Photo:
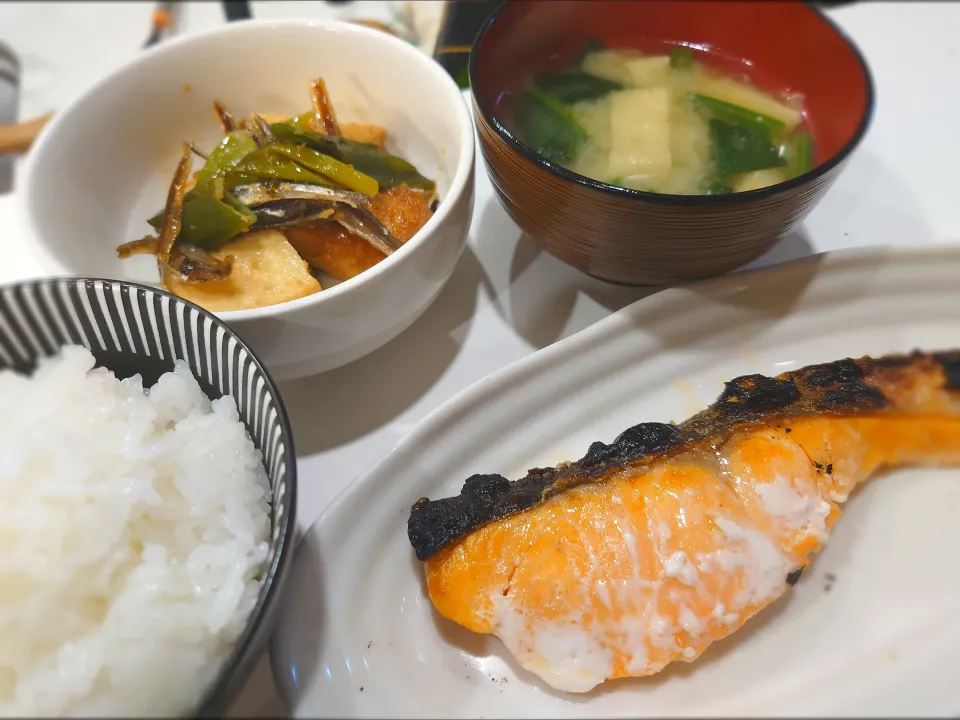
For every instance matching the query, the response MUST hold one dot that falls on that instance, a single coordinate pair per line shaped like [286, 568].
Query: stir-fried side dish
[662, 123]
[279, 202]
[649, 549]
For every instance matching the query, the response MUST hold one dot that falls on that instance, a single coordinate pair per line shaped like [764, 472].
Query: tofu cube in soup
[640, 133]
[610, 65]
[759, 179]
[648, 71]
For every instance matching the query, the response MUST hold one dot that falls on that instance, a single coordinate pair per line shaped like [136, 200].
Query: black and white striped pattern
[131, 329]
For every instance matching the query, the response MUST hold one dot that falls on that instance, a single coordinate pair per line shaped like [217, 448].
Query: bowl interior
[103, 167]
[781, 46]
[133, 329]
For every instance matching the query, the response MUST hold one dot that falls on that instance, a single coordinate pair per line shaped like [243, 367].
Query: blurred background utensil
[9, 99]
[17, 137]
[160, 23]
[237, 10]
[459, 25]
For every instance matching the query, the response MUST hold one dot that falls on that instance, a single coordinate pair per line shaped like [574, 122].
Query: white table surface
[506, 299]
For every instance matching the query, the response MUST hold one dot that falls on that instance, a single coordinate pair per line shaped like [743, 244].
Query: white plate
[359, 636]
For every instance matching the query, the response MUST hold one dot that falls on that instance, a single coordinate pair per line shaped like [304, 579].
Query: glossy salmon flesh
[647, 550]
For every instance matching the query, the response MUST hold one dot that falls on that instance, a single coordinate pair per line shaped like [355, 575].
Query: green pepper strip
[303, 121]
[208, 223]
[317, 162]
[233, 148]
[233, 202]
[264, 164]
[388, 170]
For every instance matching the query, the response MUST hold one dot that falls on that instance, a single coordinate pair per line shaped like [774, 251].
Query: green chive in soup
[662, 123]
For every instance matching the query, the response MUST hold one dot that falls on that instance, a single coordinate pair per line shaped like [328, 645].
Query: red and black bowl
[642, 238]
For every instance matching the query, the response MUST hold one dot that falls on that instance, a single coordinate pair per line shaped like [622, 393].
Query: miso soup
[662, 123]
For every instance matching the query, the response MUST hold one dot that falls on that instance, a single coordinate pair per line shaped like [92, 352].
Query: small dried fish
[198, 266]
[260, 129]
[257, 193]
[144, 246]
[226, 119]
[173, 210]
[278, 214]
[363, 224]
[323, 107]
[197, 151]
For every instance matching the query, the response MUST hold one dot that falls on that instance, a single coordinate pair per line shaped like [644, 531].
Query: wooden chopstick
[19, 137]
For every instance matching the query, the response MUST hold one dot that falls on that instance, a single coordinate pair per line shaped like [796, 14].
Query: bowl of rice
[149, 507]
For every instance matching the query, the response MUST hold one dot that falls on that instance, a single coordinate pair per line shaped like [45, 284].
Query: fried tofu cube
[330, 247]
[266, 270]
[402, 210]
[358, 132]
[274, 117]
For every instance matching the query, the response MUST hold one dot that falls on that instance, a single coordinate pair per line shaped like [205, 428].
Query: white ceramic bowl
[102, 166]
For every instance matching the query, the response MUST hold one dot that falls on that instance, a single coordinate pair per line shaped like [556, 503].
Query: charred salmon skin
[647, 550]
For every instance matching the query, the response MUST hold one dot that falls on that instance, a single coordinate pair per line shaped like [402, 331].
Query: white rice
[133, 531]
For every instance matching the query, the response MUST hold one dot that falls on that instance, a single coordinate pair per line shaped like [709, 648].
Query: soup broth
[662, 123]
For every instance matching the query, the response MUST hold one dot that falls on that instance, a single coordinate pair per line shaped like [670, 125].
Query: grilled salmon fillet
[649, 549]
